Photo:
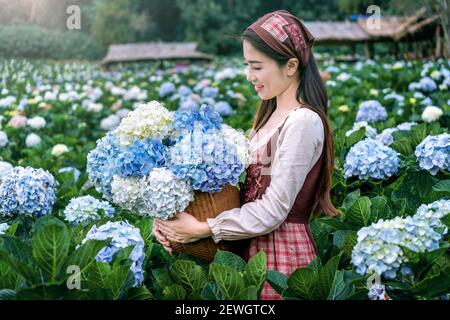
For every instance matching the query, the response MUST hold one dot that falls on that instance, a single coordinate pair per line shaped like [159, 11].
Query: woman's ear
[292, 66]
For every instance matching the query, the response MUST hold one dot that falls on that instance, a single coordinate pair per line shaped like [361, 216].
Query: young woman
[292, 147]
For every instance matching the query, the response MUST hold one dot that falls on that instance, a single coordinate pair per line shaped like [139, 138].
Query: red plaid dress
[291, 246]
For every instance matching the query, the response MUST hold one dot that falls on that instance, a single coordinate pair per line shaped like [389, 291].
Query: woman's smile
[259, 87]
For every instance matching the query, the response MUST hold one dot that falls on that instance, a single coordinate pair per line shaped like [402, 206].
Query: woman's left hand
[183, 228]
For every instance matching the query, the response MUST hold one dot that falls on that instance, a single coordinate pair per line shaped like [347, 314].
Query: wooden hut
[134, 52]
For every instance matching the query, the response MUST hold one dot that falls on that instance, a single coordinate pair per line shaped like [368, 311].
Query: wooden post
[438, 52]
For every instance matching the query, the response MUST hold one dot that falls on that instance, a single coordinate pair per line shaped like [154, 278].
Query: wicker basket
[209, 205]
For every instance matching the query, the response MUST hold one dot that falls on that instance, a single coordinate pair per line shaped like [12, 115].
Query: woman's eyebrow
[253, 61]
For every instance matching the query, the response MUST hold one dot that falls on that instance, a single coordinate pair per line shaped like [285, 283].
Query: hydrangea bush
[122, 235]
[86, 209]
[27, 191]
[369, 158]
[433, 153]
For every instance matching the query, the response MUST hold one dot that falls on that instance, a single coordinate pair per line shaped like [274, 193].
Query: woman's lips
[259, 88]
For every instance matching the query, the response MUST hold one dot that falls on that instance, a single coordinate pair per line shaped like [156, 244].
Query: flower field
[83, 162]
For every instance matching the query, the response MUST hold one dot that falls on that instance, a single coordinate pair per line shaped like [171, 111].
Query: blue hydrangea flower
[371, 111]
[166, 89]
[100, 164]
[206, 118]
[427, 84]
[86, 209]
[140, 158]
[379, 246]
[210, 92]
[188, 104]
[434, 212]
[123, 235]
[223, 108]
[207, 159]
[27, 191]
[184, 91]
[371, 159]
[433, 153]
[386, 137]
[377, 292]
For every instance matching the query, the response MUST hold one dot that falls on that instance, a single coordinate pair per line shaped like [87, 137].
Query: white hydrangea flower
[36, 122]
[431, 113]
[32, 140]
[151, 120]
[59, 149]
[110, 122]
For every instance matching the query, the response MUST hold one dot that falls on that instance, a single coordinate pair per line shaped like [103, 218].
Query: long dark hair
[312, 92]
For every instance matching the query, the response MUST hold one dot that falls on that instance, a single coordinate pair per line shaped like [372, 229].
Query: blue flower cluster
[27, 191]
[223, 108]
[206, 118]
[210, 92]
[166, 89]
[379, 247]
[86, 209]
[371, 111]
[369, 158]
[138, 159]
[184, 91]
[188, 104]
[100, 164]
[427, 85]
[207, 159]
[123, 235]
[434, 212]
[433, 153]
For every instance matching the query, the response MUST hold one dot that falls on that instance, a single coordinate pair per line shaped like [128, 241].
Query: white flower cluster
[371, 132]
[149, 120]
[86, 209]
[241, 142]
[160, 194]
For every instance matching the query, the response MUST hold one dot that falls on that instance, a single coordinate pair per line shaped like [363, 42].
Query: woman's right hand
[160, 237]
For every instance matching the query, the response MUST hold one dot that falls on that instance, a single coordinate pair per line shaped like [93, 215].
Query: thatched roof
[154, 51]
[333, 31]
[396, 28]
[391, 28]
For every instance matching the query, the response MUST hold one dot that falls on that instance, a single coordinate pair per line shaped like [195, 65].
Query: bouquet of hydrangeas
[155, 159]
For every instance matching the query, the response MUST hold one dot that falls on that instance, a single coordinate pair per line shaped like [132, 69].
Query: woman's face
[268, 78]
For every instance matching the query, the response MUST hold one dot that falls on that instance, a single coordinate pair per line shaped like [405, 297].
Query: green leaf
[212, 292]
[340, 236]
[350, 199]
[162, 277]
[145, 225]
[85, 255]
[379, 208]
[42, 292]
[174, 292]
[350, 242]
[418, 133]
[139, 294]
[278, 280]
[442, 186]
[7, 294]
[18, 256]
[446, 220]
[402, 146]
[250, 293]
[188, 274]
[50, 246]
[230, 259]
[436, 282]
[340, 290]
[229, 281]
[334, 222]
[355, 137]
[326, 277]
[256, 271]
[359, 213]
[302, 283]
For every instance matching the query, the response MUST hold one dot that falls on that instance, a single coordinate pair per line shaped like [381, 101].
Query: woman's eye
[256, 68]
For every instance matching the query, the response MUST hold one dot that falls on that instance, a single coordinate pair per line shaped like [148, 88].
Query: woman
[292, 147]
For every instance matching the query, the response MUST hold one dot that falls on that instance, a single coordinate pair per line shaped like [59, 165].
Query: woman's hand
[161, 238]
[183, 228]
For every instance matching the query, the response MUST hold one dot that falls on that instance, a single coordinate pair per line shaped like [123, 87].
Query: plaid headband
[286, 34]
